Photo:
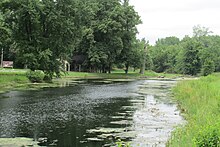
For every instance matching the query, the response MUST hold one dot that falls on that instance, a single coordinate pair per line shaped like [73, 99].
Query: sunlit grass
[12, 71]
[200, 102]
[9, 81]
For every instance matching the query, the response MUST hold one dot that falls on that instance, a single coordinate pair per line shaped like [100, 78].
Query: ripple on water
[92, 113]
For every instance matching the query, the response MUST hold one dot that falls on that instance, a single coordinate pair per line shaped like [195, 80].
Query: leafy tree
[189, 61]
[101, 41]
[164, 54]
[139, 54]
[130, 19]
[208, 67]
[199, 31]
[160, 59]
[210, 50]
[168, 41]
[108, 35]
[43, 30]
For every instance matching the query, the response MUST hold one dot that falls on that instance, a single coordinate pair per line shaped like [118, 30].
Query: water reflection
[88, 113]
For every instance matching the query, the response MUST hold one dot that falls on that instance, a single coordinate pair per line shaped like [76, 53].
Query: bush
[208, 67]
[48, 78]
[208, 137]
[35, 76]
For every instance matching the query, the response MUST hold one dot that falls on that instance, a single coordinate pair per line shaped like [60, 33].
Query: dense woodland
[42, 34]
[197, 55]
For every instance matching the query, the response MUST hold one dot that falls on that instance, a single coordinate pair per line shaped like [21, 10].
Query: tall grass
[199, 101]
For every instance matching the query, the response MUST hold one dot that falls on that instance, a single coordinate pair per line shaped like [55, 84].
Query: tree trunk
[79, 68]
[144, 61]
[2, 58]
[109, 68]
[103, 69]
[126, 68]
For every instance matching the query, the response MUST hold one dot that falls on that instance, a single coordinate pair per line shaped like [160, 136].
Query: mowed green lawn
[10, 78]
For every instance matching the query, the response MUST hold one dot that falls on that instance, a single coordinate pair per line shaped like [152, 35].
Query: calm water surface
[91, 113]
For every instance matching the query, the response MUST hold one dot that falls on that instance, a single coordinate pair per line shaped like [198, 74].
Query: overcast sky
[164, 18]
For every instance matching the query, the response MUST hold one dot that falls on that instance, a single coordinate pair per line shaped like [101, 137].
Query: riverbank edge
[199, 103]
[18, 80]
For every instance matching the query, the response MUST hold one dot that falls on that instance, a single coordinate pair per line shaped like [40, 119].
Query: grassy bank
[119, 74]
[199, 101]
[10, 78]
[16, 78]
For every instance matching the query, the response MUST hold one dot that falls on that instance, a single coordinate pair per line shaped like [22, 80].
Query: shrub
[208, 67]
[35, 76]
[48, 78]
[208, 137]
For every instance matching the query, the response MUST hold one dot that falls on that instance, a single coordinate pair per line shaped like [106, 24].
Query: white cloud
[163, 18]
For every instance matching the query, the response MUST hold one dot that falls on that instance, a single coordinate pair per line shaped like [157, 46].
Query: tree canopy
[192, 55]
[44, 34]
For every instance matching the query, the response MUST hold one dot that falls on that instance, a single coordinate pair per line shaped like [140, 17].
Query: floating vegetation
[93, 113]
[126, 122]
[18, 142]
[106, 130]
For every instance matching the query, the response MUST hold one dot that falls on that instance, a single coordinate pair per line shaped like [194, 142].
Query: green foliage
[190, 61]
[199, 101]
[210, 50]
[187, 56]
[35, 76]
[208, 67]
[164, 54]
[122, 144]
[208, 137]
[160, 59]
[42, 34]
[199, 31]
[168, 41]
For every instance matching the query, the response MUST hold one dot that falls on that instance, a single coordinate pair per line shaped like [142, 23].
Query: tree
[130, 20]
[199, 31]
[208, 67]
[168, 41]
[143, 56]
[44, 32]
[5, 40]
[189, 61]
[164, 54]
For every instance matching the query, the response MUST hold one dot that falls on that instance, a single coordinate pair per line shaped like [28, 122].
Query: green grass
[199, 101]
[119, 74]
[11, 81]
[13, 78]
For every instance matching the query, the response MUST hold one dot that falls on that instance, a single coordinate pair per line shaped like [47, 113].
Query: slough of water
[91, 113]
